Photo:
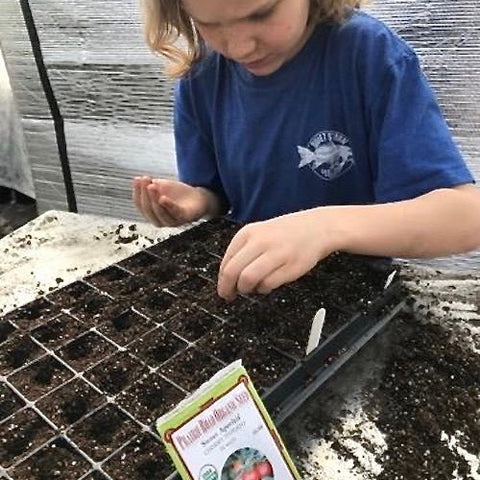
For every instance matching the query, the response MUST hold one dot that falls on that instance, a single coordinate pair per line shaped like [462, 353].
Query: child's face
[259, 34]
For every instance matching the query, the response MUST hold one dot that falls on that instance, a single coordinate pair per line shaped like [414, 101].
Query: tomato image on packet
[247, 464]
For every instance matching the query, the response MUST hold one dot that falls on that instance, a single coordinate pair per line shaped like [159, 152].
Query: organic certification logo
[208, 472]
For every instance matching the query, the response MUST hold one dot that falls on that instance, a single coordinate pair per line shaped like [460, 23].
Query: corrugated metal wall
[117, 105]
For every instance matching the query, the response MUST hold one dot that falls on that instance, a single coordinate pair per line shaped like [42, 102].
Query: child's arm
[172, 203]
[265, 255]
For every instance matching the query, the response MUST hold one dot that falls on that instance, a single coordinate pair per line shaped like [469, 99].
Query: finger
[236, 244]
[164, 186]
[254, 277]
[139, 184]
[146, 205]
[136, 193]
[162, 216]
[230, 272]
[275, 279]
[173, 209]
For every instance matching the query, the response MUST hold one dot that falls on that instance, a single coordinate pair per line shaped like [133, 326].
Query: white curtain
[15, 171]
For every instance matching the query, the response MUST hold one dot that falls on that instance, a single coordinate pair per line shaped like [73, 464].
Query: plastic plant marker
[316, 331]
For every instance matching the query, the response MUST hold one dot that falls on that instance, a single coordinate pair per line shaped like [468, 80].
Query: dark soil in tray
[17, 352]
[127, 286]
[107, 279]
[58, 331]
[40, 377]
[159, 305]
[197, 259]
[264, 363]
[192, 287]
[115, 373]
[9, 402]
[219, 307]
[142, 334]
[149, 398]
[96, 475]
[85, 351]
[104, 432]
[32, 314]
[125, 327]
[258, 319]
[155, 271]
[157, 347]
[71, 295]
[139, 262]
[7, 330]
[335, 276]
[192, 325]
[21, 434]
[94, 307]
[174, 247]
[59, 459]
[180, 368]
[70, 403]
[291, 333]
[142, 459]
[213, 237]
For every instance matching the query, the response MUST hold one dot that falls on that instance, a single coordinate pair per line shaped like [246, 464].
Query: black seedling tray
[86, 370]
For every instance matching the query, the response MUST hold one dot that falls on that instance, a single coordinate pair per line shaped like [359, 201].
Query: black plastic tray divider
[297, 398]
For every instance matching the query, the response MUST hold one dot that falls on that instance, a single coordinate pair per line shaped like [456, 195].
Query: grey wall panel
[111, 94]
[43, 154]
[114, 93]
[113, 149]
[105, 157]
[86, 31]
[446, 36]
[27, 89]
[50, 196]
[98, 63]
[25, 81]
[38, 131]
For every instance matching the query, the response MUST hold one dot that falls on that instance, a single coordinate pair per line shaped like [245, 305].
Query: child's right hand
[169, 203]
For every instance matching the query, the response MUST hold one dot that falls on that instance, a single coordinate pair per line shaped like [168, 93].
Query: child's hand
[169, 203]
[263, 256]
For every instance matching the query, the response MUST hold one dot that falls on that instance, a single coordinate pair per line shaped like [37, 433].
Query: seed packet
[224, 432]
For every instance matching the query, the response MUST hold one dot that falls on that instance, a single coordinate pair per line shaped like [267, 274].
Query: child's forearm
[442, 222]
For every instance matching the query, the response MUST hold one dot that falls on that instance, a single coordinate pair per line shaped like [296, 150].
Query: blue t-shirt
[349, 120]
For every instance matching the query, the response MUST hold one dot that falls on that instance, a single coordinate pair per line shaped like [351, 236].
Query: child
[312, 122]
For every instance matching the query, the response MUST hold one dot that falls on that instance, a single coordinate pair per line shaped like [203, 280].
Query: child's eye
[204, 24]
[258, 17]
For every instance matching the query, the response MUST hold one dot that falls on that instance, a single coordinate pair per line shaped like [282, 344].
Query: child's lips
[257, 63]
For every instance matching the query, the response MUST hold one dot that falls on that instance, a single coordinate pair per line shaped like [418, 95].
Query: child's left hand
[264, 255]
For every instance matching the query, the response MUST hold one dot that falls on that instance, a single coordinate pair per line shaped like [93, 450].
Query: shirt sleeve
[411, 144]
[195, 154]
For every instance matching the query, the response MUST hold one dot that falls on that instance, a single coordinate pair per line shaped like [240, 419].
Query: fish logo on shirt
[328, 154]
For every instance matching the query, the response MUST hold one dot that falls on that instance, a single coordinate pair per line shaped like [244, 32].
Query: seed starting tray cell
[86, 370]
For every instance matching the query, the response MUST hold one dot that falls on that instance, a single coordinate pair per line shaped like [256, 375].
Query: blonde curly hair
[165, 22]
